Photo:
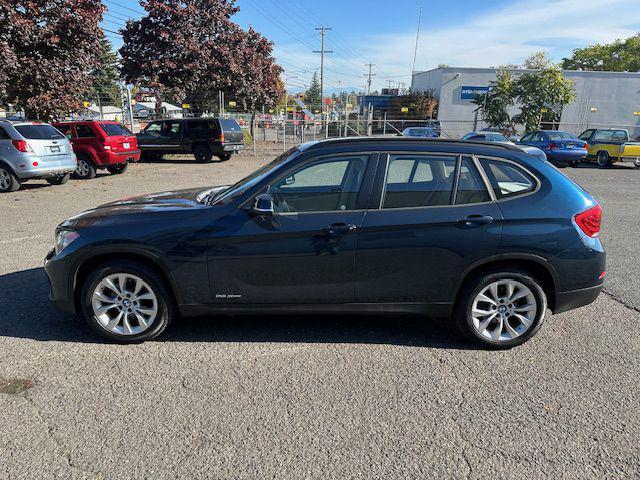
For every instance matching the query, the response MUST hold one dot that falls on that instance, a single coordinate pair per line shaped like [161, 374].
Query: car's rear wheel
[224, 156]
[126, 302]
[59, 180]
[501, 309]
[85, 169]
[575, 163]
[118, 169]
[637, 163]
[8, 181]
[603, 159]
[150, 157]
[202, 153]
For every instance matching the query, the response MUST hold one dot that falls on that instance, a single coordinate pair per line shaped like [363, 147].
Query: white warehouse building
[603, 99]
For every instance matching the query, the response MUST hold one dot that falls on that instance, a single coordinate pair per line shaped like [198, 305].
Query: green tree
[313, 94]
[105, 77]
[538, 61]
[494, 106]
[619, 56]
[541, 96]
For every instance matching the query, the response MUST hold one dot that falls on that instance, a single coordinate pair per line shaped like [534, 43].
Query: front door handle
[470, 220]
[339, 228]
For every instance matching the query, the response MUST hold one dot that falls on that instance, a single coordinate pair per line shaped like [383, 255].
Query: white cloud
[500, 36]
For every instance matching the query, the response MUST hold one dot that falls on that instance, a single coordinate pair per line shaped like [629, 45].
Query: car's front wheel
[126, 302]
[501, 309]
[603, 159]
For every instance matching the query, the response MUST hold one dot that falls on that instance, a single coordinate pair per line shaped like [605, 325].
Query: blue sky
[454, 32]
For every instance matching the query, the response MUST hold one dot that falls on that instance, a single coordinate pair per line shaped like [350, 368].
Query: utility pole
[322, 51]
[369, 75]
[389, 82]
[415, 50]
[130, 104]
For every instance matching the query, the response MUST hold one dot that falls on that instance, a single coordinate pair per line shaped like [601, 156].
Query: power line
[139, 12]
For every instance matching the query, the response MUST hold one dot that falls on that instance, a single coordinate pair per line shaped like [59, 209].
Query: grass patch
[15, 386]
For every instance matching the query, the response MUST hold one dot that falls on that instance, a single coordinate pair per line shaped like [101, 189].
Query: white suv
[33, 150]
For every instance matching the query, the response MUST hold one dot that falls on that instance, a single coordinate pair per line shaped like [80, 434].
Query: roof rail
[435, 141]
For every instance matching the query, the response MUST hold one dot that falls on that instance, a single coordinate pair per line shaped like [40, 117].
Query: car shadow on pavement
[26, 312]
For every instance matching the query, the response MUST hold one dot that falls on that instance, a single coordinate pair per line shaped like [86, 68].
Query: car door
[171, 136]
[435, 218]
[85, 140]
[305, 252]
[149, 138]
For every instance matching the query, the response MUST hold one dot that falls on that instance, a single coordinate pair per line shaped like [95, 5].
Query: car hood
[173, 201]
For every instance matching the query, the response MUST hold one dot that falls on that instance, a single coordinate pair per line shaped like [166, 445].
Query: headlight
[64, 238]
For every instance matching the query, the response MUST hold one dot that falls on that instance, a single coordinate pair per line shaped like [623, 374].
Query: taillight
[585, 146]
[553, 146]
[22, 146]
[222, 138]
[589, 221]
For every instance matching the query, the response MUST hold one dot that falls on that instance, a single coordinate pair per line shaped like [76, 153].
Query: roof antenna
[415, 50]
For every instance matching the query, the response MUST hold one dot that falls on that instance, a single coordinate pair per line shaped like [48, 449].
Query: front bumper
[60, 283]
[566, 301]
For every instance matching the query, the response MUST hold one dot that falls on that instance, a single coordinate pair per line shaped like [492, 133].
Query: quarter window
[507, 180]
[418, 181]
[330, 184]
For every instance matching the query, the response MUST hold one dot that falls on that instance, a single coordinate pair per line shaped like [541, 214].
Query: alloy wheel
[5, 179]
[603, 159]
[82, 168]
[504, 310]
[124, 304]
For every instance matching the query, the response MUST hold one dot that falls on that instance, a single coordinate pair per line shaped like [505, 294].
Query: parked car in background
[202, 137]
[30, 150]
[560, 147]
[422, 132]
[486, 136]
[100, 144]
[610, 145]
[484, 232]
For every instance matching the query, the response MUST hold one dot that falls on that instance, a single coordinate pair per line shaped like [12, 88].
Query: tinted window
[170, 128]
[84, 131]
[471, 188]
[154, 127]
[527, 137]
[507, 179]
[203, 128]
[610, 135]
[3, 134]
[115, 129]
[331, 184]
[560, 136]
[38, 132]
[418, 181]
[229, 125]
[585, 135]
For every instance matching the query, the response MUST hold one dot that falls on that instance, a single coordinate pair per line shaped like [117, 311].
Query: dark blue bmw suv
[484, 233]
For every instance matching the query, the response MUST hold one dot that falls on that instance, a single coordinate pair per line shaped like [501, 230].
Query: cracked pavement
[312, 397]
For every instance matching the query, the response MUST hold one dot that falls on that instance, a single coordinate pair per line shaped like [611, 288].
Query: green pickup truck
[610, 145]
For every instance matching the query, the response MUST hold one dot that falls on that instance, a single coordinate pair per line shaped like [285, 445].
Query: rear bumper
[566, 156]
[113, 158]
[566, 301]
[233, 147]
[627, 159]
[46, 167]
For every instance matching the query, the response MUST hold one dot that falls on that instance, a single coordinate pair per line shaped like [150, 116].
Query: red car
[100, 144]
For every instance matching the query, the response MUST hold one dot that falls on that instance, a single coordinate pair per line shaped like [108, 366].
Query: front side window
[153, 128]
[586, 135]
[329, 184]
[84, 131]
[418, 181]
[507, 179]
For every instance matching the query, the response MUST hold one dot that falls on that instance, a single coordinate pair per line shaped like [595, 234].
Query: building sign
[404, 109]
[186, 106]
[470, 93]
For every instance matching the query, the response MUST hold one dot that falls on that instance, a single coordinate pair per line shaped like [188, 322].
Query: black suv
[204, 137]
[484, 232]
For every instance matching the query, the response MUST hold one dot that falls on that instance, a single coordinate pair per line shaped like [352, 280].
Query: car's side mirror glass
[263, 205]
[290, 180]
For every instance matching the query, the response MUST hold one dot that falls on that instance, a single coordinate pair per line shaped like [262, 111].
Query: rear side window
[418, 181]
[3, 134]
[203, 128]
[229, 125]
[471, 188]
[611, 135]
[115, 129]
[38, 132]
[507, 180]
[84, 131]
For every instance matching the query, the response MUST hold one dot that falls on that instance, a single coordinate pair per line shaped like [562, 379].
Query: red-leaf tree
[170, 47]
[47, 50]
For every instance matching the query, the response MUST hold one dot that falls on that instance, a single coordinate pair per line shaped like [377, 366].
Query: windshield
[234, 191]
[560, 136]
[38, 132]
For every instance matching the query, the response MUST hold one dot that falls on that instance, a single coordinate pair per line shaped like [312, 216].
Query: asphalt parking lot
[312, 397]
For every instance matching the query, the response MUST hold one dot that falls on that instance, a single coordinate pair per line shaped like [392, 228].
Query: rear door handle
[339, 228]
[476, 220]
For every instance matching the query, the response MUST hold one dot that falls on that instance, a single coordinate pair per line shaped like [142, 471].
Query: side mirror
[263, 205]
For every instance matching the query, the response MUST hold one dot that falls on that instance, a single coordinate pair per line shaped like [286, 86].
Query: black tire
[603, 159]
[166, 308]
[59, 180]
[117, 169]
[575, 163]
[86, 169]
[472, 288]
[8, 181]
[202, 153]
[224, 156]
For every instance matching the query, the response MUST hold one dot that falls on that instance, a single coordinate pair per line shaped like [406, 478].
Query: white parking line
[22, 239]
